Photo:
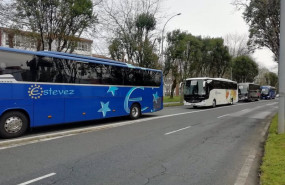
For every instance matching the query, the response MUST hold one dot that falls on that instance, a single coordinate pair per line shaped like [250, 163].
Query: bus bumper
[200, 104]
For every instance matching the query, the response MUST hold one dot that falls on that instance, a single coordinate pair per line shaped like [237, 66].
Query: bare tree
[133, 23]
[263, 18]
[237, 44]
[260, 78]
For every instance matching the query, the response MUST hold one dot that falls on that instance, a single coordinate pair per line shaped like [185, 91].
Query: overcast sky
[214, 18]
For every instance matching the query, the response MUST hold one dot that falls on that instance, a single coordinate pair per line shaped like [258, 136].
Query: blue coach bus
[268, 92]
[49, 88]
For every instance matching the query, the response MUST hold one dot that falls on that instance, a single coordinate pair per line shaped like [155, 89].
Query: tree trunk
[172, 88]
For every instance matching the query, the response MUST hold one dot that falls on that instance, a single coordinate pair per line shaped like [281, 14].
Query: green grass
[167, 99]
[273, 165]
[173, 105]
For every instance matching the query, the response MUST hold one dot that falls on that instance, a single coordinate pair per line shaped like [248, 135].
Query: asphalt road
[176, 146]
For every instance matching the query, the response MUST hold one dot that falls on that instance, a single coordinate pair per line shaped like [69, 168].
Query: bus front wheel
[13, 124]
[135, 111]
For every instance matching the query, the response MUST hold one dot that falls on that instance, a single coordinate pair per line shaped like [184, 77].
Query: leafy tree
[62, 21]
[116, 49]
[244, 69]
[176, 56]
[190, 56]
[136, 42]
[217, 57]
[263, 18]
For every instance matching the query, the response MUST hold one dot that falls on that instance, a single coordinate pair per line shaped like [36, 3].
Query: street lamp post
[162, 37]
[281, 67]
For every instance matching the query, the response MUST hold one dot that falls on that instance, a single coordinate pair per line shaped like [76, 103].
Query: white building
[26, 40]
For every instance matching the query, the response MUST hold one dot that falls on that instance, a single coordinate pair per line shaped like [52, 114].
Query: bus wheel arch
[14, 123]
[135, 110]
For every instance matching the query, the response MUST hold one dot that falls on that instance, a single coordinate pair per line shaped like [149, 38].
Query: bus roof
[75, 57]
[247, 83]
[84, 57]
[208, 78]
[267, 87]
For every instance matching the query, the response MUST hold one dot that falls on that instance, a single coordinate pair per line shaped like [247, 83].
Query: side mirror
[181, 84]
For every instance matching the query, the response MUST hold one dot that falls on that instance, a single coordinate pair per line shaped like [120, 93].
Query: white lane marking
[37, 179]
[223, 116]
[243, 110]
[46, 137]
[243, 174]
[177, 130]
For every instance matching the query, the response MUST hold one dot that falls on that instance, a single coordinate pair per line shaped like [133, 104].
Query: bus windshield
[194, 87]
[264, 91]
[243, 89]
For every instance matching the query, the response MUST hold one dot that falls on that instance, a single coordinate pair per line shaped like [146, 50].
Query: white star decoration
[104, 108]
[112, 89]
[155, 97]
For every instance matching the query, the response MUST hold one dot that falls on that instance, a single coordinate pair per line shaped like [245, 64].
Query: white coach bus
[204, 91]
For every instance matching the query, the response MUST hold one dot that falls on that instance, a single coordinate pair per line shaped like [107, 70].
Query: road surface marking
[223, 116]
[244, 110]
[37, 179]
[177, 130]
[46, 137]
[243, 174]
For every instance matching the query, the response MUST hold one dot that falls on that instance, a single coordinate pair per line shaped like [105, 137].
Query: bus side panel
[48, 104]
[48, 111]
[89, 103]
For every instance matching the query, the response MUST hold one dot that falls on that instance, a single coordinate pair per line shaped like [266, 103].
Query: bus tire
[135, 111]
[13, 124]
[214, 104]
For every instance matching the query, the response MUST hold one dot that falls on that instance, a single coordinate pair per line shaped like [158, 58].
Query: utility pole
[281, 72]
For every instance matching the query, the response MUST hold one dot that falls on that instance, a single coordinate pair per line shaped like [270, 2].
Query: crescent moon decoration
[128, 99]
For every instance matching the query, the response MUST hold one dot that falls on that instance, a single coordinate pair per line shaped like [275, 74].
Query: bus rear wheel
[135, 111]
[13, 124]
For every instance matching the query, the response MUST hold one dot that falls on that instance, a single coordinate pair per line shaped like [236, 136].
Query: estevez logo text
[36, 92]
